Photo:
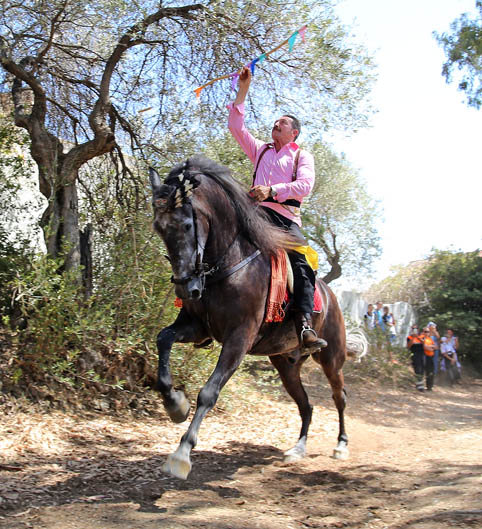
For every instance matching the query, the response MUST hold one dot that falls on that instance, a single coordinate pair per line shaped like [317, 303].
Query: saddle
[282, 288]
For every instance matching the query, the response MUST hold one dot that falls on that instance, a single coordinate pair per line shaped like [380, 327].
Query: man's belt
[289, 202]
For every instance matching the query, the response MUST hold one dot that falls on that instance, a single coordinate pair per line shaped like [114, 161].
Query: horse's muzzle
[193, 289]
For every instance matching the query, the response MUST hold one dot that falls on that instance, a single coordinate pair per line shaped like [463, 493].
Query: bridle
[203, 272]
[200, 269]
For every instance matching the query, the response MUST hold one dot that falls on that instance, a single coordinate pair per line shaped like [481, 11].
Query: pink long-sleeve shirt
[275, 168]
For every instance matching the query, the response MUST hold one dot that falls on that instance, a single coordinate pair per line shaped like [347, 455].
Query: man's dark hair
[296, 124]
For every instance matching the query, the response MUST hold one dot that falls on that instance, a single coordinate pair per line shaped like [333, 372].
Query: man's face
[283, 130]
[379, 306]
[370, 308]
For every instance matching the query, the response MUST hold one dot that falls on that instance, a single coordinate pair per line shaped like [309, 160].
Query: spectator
[433, 333]
[415, 346]
[429, 352]
[449, 360]
[369, 318]
[379, 316]
[389, 323]
[455, 343]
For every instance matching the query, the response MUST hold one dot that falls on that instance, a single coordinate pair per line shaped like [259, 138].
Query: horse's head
[183, 231]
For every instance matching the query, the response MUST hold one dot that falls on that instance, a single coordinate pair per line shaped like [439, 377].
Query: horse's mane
[253, 222]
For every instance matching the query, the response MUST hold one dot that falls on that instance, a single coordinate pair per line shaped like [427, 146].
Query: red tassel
[178, 303]
[277, 289]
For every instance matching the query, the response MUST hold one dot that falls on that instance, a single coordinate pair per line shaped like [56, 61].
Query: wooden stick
[227, 76]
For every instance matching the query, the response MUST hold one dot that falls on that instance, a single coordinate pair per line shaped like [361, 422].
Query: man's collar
[291, 145]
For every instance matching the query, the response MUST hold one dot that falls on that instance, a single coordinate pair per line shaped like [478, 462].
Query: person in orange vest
[415, 346]
[429, 347]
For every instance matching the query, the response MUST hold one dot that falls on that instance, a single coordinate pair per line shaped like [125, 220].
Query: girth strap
[230, 271]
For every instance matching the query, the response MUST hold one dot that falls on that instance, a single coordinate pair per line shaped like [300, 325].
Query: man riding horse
[283, 176]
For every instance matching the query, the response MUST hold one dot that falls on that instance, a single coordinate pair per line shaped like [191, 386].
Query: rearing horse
[220, 246]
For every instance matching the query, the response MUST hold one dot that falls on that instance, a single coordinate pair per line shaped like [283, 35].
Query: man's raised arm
[244, 82]
[247, 142]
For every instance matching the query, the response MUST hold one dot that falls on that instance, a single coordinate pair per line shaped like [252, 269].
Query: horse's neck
[225, 239]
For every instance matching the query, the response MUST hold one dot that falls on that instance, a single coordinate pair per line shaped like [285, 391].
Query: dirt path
[415, 463]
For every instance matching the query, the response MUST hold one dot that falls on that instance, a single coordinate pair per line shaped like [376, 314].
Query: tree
[463, 49]
[81, 71]
[338, 216]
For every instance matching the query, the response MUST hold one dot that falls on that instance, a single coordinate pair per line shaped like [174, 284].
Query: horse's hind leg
[184, 329]
[334, 374]
[290, 376]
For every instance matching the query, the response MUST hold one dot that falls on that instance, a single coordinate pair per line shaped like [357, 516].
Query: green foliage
[463, 49]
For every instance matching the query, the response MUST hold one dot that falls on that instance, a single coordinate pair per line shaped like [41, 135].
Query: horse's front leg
[179, 463]
[184, 329]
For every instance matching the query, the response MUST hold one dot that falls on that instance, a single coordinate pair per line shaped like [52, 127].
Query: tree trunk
[86, 260]
[334, 273]
[60, 224]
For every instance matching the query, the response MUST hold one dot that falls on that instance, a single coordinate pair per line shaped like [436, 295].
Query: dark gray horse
[220, 244]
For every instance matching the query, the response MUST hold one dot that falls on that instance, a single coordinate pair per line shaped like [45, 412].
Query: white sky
[422, 156]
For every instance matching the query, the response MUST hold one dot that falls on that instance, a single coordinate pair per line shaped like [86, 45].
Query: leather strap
[230, 271]
[261, 154]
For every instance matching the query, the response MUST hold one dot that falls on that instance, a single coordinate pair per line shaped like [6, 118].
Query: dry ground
[415, 463]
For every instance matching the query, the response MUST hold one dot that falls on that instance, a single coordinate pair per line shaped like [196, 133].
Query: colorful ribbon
[234, 76]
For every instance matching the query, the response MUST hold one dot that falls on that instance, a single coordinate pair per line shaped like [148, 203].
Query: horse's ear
[154, 178]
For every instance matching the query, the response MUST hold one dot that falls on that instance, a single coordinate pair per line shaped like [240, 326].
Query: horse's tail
[356, 343]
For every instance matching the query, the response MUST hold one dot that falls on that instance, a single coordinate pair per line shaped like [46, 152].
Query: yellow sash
[310, 254]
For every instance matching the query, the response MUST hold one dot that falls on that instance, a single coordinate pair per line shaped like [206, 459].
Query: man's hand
[244, 82]
[260, 193]
[245, 77]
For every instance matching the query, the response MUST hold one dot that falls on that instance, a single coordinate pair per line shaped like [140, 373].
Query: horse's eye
[187, 227]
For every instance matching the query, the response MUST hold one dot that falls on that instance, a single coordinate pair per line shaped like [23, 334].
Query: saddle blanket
[278, 295]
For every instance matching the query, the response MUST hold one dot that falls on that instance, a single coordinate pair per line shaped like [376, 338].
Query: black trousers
[418, 361]
[429, 371]
[304, 277]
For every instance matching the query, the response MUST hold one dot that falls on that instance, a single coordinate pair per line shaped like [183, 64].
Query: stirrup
[320, 342]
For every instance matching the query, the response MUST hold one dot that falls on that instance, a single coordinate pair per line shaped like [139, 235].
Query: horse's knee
[165, 339]
[207, 397]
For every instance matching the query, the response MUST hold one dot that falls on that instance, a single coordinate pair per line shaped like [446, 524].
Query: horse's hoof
[179, 410]
[341, 451]
[177, 467]
[294, 454]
